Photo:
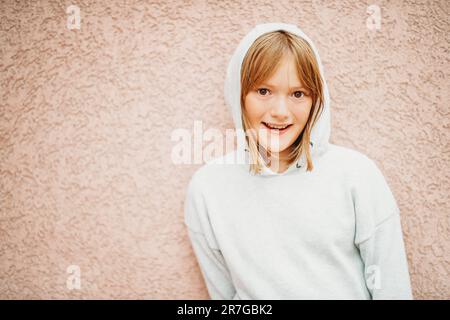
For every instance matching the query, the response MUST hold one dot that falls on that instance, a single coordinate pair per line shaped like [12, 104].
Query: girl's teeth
[278, 128]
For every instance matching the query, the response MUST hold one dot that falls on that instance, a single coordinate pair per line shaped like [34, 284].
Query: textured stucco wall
[86, 118]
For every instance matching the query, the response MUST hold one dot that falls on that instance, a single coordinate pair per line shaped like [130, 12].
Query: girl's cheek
[256, 110]
[304, 109]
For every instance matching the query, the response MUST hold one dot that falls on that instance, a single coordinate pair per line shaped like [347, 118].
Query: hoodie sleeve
[211, 262]
[379, 237]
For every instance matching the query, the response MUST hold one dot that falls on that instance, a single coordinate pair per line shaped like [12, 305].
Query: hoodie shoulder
[353, 165]
[345, 155]
[214, 168]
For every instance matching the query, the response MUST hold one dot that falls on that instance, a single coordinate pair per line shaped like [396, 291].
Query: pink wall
[86, 117]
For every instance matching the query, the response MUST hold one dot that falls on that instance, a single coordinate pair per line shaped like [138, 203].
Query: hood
[232, 90]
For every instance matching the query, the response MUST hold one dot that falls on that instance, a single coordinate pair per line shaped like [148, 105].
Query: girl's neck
[278, 163]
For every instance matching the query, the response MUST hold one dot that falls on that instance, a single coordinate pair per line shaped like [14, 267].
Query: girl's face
[280, 100]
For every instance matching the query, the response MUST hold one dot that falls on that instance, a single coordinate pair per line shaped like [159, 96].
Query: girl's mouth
[279, 129]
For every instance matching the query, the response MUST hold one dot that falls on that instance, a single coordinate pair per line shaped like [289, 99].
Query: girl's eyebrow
[272, 86]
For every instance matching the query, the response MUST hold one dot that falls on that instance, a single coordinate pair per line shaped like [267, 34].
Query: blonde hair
[260, 62]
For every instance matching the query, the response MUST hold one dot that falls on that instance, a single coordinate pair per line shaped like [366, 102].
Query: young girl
[299, 217]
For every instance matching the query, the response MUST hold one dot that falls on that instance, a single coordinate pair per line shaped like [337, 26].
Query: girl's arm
[386, 265]
[213, 268]
[212, 264]
[379, 237]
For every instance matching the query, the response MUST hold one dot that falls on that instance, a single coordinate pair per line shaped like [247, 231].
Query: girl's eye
[297, 96]
[263, 90]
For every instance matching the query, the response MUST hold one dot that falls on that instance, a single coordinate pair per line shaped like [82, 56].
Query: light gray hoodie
[331, 233]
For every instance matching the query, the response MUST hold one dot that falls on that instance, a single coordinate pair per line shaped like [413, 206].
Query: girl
[298, 217]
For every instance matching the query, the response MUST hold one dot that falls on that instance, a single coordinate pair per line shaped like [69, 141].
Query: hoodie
[330, 233]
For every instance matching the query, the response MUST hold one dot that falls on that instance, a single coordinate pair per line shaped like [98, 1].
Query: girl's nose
[280, 109]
